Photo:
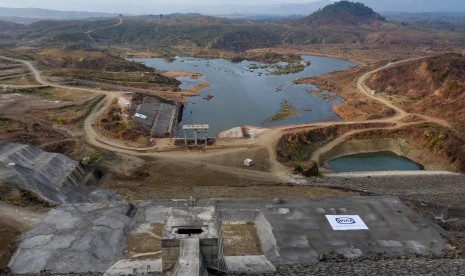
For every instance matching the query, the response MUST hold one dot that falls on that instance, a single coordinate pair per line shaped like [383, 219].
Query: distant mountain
[412, 6]
[19, 20]
[416, 6]
[234, 10]
[285, 9]
[343, 14]
[9, 26]
[50, 14]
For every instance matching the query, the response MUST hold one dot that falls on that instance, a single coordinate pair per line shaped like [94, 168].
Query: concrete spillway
[53, 176]
[190, 260]
[181, 239]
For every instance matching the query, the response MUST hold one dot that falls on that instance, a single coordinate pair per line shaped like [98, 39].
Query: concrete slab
[203, 218]
[92, 237]
[247, 264]
[303, 234]
[74, 238]
[132, 267]
[189, 262]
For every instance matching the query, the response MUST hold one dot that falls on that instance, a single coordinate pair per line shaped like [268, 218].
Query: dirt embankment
[298, 146]
[356, 106]
[440, 143]
[433, 86]
[437, 148]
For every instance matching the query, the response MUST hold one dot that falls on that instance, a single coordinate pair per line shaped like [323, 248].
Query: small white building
[248, 162]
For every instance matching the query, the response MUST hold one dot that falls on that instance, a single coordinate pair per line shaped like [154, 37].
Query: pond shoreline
[248, 97]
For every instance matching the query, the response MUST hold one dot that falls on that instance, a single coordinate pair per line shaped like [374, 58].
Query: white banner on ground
[142, 116]
[346, 222]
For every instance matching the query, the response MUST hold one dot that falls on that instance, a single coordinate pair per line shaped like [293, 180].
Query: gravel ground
[398, 267]
[441, 189]
[450, 267]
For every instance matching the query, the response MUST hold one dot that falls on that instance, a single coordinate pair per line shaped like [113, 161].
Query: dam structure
[188, 237]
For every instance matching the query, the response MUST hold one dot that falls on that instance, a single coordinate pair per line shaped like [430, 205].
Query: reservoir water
[246, 93]
[377, 161]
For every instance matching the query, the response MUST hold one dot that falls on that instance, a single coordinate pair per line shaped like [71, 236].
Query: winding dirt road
[268, 139]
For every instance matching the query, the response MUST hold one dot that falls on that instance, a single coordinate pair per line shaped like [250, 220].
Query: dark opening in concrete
[189, 231]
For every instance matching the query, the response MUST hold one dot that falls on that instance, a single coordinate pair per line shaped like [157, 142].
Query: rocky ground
[407, 267]
[430, 189]
[371, 267]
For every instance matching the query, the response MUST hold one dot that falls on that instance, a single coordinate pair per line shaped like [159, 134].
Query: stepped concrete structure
[53, 176]
[188, 237]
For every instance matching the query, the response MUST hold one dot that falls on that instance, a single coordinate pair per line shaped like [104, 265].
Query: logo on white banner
[346, 222]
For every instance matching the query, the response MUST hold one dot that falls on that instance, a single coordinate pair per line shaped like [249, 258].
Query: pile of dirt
[433, 86]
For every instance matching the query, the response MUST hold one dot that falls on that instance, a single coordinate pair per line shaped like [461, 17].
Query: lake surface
[378, 161]
[246, 96]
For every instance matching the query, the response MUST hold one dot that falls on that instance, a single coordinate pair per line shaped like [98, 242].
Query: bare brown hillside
[434, 86]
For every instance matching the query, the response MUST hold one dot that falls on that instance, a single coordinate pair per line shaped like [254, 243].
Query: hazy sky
[228, 6]
[133, 6]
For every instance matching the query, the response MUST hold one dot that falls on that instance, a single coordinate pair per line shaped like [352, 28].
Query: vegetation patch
[455, 85]
[268, 57]
[286, 111]
[298, 152]
[289, 69]
[434, 140]
[116, 124]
